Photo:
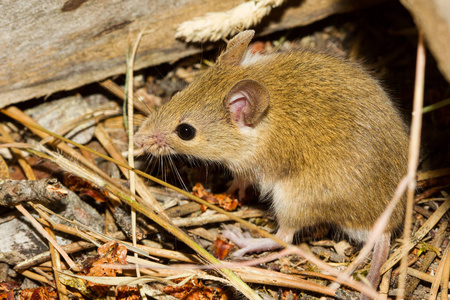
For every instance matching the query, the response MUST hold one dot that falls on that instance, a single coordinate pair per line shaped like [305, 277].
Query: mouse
[315, 133]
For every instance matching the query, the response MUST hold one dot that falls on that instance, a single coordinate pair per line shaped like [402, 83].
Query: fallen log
[50, 46]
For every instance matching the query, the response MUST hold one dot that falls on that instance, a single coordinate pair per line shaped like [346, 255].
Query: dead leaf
[195, 290]
[221, 248]
[40, 293]
[225, 201]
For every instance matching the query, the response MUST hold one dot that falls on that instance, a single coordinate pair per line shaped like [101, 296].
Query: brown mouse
[315, 133]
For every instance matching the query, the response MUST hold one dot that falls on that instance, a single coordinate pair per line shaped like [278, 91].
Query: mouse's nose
[139, 139]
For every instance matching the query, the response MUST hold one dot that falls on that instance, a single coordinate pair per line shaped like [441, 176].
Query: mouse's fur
[329, 147]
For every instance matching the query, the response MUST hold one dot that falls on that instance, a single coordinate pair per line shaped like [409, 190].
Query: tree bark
[433, 17]
[51, 45]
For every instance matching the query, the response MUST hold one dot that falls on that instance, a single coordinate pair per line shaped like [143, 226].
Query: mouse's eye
[185, 131]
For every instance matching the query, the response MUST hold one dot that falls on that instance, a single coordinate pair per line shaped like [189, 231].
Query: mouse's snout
[139, 139]
[154, 143]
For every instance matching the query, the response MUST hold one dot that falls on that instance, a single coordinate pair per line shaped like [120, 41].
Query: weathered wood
[433, 17]
[50, 45]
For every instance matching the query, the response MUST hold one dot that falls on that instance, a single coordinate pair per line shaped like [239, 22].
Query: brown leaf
[227, 202]
[111, 253]
[221, 248]
[195, 290]
[7, 290]
[40, 293]
[84, 187]
[127, 293]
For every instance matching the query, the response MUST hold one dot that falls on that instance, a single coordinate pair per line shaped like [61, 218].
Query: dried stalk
[54, 191]
[218, 25]
[413, 159]
[428, 259]
[439, 278]
[418, 236]
[181, 235]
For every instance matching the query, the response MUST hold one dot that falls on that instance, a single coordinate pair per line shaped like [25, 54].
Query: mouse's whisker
[177, 173]
[150, 167]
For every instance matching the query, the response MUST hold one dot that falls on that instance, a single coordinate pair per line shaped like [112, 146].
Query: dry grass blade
[92, 116]
[445, 280]
[21, 117]
[120, 93]
[257, 275]
[47, 236]
[111, 148]
[248, 274]
[413, 158]
[433, 174]
[439, 278]
[55, 249]
[418, 236]
[429, 258]
[162, 221]
[119, 192]
[423, 276]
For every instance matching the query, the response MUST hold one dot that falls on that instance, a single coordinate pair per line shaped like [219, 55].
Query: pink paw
[240, 186]
[247, 243]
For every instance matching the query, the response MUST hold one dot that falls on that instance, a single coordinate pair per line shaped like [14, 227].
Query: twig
[169, 226]
[217, 218]
[423, 276]
[257, 275]
[45, 256]
[385, 283]
[36, 277]
[418, 236]
[16, 191]
[429, 257]
[109, 85]
[445, 273]
[433, 174]
[439, 277]
[105, 139]
[52, 190]
[413, 159]
[47, 236]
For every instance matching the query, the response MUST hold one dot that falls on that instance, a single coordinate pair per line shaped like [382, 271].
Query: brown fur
[330, 148]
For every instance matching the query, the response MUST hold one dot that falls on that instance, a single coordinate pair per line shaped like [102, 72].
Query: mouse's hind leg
[379, 257]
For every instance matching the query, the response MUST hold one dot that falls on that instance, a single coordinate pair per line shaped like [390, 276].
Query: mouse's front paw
[247, 243]
[240, 186]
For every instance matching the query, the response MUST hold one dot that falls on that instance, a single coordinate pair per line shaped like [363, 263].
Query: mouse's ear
[247, 101]
[236, 48]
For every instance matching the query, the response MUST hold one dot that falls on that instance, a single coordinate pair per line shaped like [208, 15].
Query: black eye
[185, 131]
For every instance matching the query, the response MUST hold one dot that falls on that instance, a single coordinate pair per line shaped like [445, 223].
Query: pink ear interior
[239, 105]
[247, 101]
